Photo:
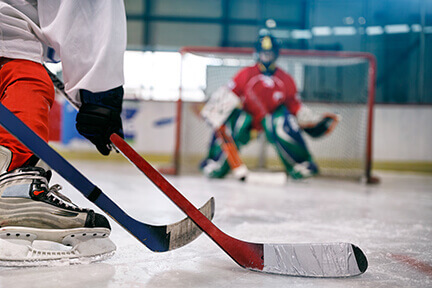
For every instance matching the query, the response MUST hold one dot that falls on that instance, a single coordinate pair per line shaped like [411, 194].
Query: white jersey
[89, 38]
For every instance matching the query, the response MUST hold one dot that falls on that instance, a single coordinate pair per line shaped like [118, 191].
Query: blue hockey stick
[156, 238]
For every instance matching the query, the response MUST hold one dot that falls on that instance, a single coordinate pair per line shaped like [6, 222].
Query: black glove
[325, 126]
[99, 117]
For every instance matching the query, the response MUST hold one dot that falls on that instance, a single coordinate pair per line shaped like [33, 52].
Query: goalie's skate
[40, 226]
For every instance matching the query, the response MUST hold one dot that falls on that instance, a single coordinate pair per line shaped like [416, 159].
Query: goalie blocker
[219, 107]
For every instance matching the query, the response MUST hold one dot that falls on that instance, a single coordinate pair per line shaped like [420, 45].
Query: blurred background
[398, 33]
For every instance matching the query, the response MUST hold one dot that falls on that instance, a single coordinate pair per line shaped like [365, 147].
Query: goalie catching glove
[99, 117]
[316, 124]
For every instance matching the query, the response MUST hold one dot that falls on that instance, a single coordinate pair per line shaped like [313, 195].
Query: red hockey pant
[27, 91]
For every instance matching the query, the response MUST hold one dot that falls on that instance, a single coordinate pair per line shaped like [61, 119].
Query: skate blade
[55, 261]
[21, 247]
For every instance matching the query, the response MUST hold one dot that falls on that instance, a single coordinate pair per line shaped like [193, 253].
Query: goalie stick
[229, 147]
[156, 238]
[308, 260]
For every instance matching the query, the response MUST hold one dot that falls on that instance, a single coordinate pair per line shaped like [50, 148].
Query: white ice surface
[390, 222]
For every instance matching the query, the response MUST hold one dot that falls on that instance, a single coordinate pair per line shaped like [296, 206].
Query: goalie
[267, 96]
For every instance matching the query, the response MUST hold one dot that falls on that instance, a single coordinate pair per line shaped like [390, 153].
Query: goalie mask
[267, 51]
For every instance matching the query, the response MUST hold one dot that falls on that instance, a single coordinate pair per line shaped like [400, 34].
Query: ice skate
[39, 226]
[304, 170]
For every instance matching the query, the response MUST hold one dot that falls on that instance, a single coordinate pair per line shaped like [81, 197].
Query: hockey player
[269, 102]
[90, 39]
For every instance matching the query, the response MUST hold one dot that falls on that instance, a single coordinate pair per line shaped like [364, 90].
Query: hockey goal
[339, 82]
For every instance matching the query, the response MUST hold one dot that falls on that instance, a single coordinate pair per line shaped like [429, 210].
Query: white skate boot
[40, 226]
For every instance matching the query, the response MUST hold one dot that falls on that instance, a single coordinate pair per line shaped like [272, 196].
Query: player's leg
[283, 132]
[238, 124]
[29, 209]
[27, 91]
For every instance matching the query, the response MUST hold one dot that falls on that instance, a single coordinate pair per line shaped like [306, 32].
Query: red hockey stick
[311, 260]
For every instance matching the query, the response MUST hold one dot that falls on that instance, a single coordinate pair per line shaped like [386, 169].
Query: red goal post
[340, 82]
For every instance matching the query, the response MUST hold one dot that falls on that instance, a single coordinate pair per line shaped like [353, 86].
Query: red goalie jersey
[261, 94]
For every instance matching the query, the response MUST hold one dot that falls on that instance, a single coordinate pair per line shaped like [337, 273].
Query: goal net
[338, 82]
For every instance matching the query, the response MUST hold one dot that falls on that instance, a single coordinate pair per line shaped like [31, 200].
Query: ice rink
[391, 222]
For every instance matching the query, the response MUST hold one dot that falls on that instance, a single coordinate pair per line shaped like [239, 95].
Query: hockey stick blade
[266, 178]
[156, 238]
[308, 260]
